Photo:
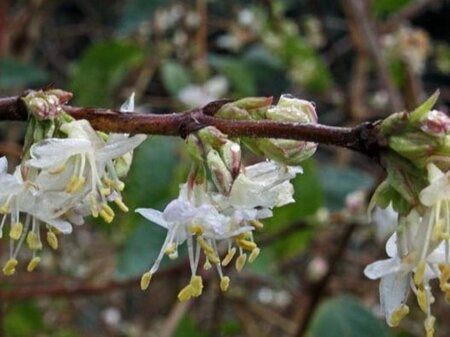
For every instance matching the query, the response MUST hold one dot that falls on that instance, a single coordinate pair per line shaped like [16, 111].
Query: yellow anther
[246, 244]
[420, 272]
[422, 300]
[257, 224]
[69, 187]
[52, 240]
[79, 183]
[16, 231]
[224, 283]
[254, 254]
[145, 280]
[205, 245]
[93, 206]
[227, 259]
[10, 267]
[444, 277]
[170, 249]
[118, 185]
[33, 263]
[185, 293]
[105, 191]
[56, 170]
[207, 265]
[196, 285]
[33, 241]
[398, 315]
[212, 257]
[429, 326]
[121, 204]
[4, 208]
[108, 210]
[196, 229]
[105, 216]
[240, 262]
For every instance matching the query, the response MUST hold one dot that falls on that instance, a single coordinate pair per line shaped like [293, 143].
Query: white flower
[412, 263]
[83, 165]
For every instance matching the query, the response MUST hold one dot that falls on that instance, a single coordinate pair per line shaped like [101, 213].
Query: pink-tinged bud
[46, 104]
[195, 147]
[435, 123]
[63, 96]
[219, 172]
[231, 156]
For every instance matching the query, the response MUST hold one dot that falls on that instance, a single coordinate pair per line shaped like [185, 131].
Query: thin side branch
[361, 138]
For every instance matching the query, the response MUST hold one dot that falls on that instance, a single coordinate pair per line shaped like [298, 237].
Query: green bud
[212, 136]
[195, 147]
[231, 156]
[219, 172]
[292, 109]
[415, 146]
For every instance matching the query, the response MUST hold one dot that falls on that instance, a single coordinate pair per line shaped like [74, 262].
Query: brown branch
[316, 290]
[358, 16]
[361, 138]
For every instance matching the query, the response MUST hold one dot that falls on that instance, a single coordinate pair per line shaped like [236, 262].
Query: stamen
[52, 240]
[240, 262]
[33, 241]
[398, 315]
[145, 280]
[10, 267]
[121, 204]
[33, 263]
[253, 255]
[16, 231]
[224, 283]
[227, 259]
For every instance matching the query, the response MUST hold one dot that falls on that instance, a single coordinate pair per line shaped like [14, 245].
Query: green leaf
[384, 7]
[175, 77]
[136, 12]
[23, 320]
[101, 69]
[149, 184]
[346, 317]
[426, 106]
[338, 182]
[237, 72]
[15, 74]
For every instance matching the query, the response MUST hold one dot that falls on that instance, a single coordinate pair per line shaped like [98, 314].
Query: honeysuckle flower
[84, 163]
[201, 226]
[414, 259]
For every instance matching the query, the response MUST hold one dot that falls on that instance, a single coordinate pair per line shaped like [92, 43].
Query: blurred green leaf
[338, 182]
[135, 12]
[237, 72]
[23, 320]
[385, 7]
[346, 317]
[188, 328]
[149, 185]
[15, 74]
[175, 77]
[309, 198]
[101, 69]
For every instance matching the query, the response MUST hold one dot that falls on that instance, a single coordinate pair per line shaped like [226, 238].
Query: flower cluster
[418, 188]
[68, 172]
[223, 201]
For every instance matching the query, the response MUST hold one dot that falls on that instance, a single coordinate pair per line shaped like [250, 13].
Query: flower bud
[195, 147]
[219, 172]
[212, 136]
[46, 104]
[435, 123]
[231, 156]
[292, 109]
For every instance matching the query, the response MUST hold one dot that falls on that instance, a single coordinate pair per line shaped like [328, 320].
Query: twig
[358, 15]
[316, 289]
[361, 138]
[173, 319]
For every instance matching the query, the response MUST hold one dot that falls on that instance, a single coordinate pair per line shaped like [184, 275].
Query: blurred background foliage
[181, 54]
